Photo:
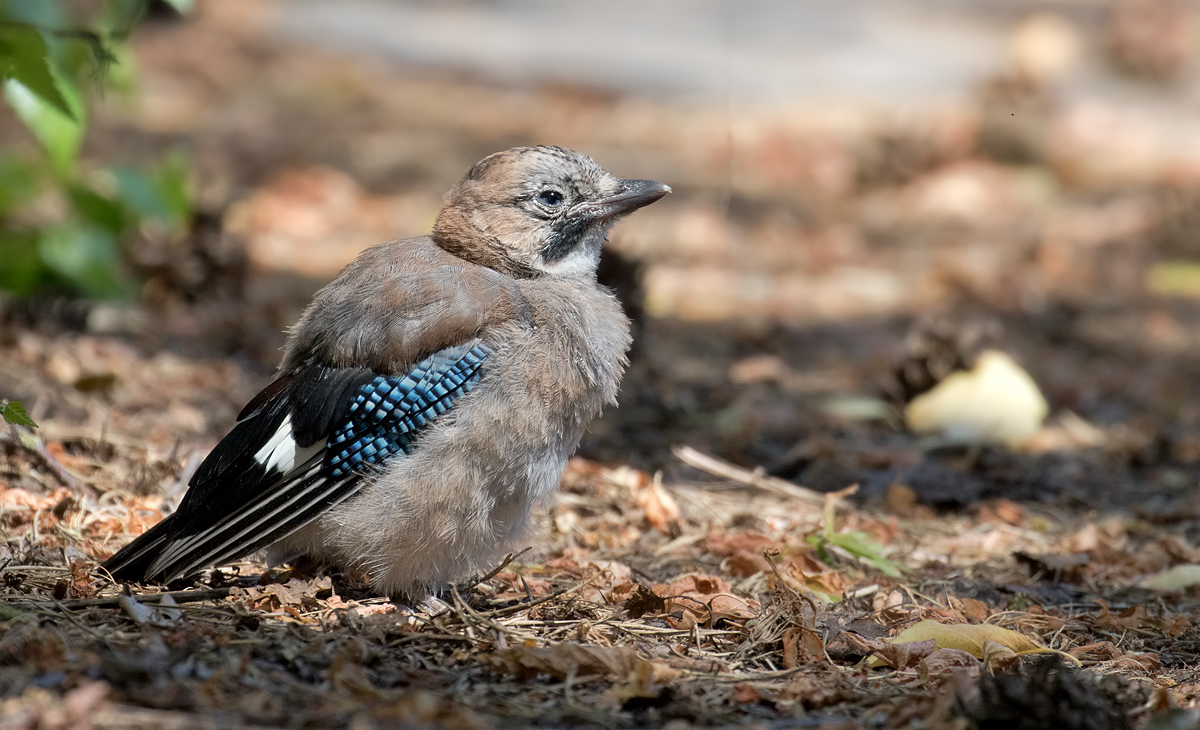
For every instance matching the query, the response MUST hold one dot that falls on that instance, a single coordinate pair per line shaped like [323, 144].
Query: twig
[34, 445]
[426, 636]
[496, 570]
[111, 601]
[509, 610]
[757, 478]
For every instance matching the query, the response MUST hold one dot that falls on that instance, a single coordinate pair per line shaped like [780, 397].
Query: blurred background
[868, 195]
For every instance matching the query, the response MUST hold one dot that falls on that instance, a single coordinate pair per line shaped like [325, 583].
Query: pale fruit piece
[996, 402]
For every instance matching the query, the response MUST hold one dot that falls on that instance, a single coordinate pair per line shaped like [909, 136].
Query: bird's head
[537, 211]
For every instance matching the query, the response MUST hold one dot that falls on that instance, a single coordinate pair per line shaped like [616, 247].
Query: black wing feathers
[134, 560]
[313, 398]
[320, 398]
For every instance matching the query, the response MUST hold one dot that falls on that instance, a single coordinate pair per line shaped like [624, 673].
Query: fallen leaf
[947, 661]
[644, 601]
[566, 659]
[997, 656]
[644, 681]
[973, 638]
[1143, 661]
[660, 508]
[705, 599]
[802, 646]
[733, 543]
[898, 655]
[608, 575]
[975, 611]
[900, 500]
[1104, 650]
[744, 565]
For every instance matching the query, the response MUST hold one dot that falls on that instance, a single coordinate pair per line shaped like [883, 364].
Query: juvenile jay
[429, 396]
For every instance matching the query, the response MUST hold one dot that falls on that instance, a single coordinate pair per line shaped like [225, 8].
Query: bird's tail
[132, 562]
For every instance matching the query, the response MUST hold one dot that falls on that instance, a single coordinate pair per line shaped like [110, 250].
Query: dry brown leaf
[644, 601]
[567, 659]
[662, 511]
[802, 646]
[660, 508]
[743, 541]
[645, 680]
[276, 596]
[1145, 662]
[608, 575]
[1002, 510]
[1103, 649]
[997, 655]
[704, 599]
[947, 661]
[890, 600]
[900, 499]
[744, 565]
[1132, 618]
[974, 611]
[809, 571]
[902, 655]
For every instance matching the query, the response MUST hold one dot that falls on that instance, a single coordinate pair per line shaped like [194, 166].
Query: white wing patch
[279, 453]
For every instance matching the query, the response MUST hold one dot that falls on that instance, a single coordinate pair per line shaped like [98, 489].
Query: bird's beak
[634, 194]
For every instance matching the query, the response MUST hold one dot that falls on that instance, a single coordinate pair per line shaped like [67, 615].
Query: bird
[429, 396]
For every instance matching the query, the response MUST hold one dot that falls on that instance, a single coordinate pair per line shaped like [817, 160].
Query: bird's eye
[550, 198]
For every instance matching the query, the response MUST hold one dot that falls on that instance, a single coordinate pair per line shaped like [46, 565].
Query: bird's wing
[398, 302]
[301, 446]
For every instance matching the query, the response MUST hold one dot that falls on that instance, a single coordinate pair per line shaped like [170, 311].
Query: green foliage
[60, 131]
[14, 413]
[48, 67]
[24, 61]
[858, 545]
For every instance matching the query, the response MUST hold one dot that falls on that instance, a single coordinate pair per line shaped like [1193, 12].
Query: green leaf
[862, 546]
[120, 73]
[19, 183]
[22, 270]
[183, 7]
[161, 195]
[99, 210]
[173, 186]
[14, 412]
[58, 133]
[88, 257]
[23, 58]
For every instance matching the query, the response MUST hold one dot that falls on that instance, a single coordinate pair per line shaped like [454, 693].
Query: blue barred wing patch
[388, 412]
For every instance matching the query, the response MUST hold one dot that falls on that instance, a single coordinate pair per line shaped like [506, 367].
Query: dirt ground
[705, 563]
